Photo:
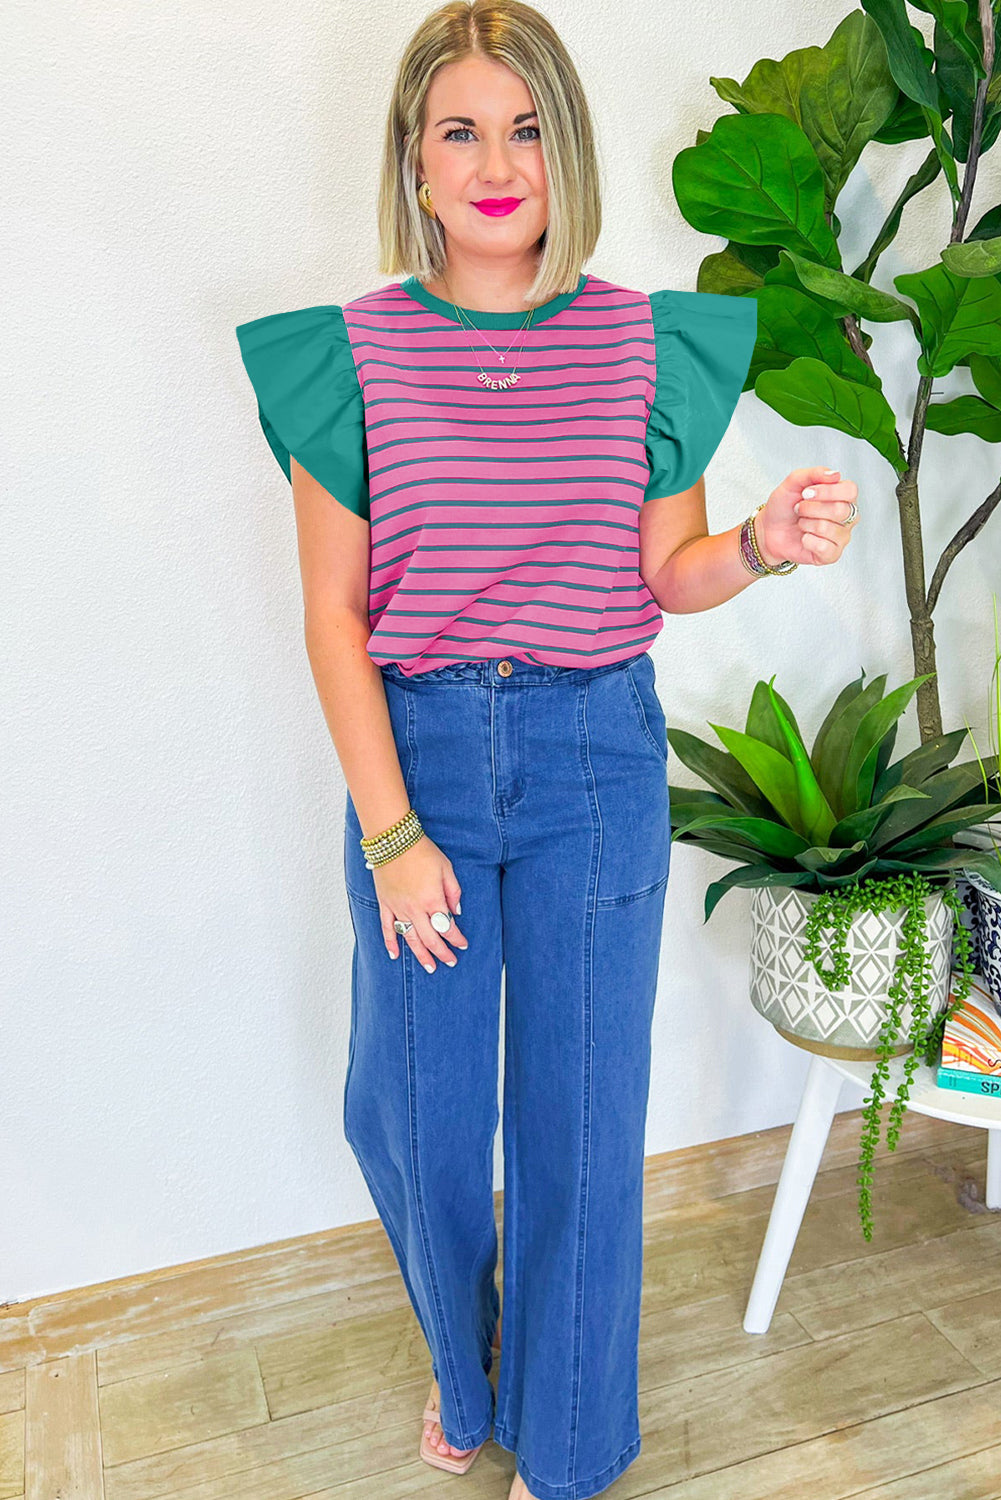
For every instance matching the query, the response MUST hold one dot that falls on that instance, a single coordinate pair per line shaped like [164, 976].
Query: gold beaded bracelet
[380, 848]
[750, 552]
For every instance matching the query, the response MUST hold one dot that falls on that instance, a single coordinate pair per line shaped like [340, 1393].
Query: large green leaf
[751, 875]
[809, 394]
[769, 770]
[720, 770]
[987, 378]
[762, 835]
[863, 823]
[816, 816]
[960, 315]
[697, 796]
[988, 226]
[772, 87]
[965, 414]
[761, 722]
[914, 768]
[834, 741]
[847, 97]
[784, 275]
[906, 122]
[946, 789]
[851, 295]
[859, 774]
[959, 73]
[736, 270]
[941, 829]
[940, 861]
[954, 17]
[911, 63]
[829, 858]
[839, 95]
[756, 179]
[792, 324]
[974, 257]
[847, 694]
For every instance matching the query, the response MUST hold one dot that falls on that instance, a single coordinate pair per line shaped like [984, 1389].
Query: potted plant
[851, 858]
[767, 179]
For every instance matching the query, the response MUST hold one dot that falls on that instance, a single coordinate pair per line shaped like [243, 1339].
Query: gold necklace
[491, 382]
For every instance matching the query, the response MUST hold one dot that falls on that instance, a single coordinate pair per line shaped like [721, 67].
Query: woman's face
[481, 145]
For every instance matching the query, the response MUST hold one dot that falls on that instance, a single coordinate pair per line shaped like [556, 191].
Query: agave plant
[865, 833]
[840, 812]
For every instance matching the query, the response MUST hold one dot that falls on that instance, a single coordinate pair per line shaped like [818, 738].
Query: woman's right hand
[412, 886]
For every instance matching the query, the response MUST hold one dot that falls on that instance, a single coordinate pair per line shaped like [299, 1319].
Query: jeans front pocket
[632, 800]
[649, 710]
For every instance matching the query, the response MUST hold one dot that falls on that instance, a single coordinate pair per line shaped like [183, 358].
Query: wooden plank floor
[297, 1371]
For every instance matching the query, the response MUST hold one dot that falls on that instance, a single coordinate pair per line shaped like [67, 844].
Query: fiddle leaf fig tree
[767, 180]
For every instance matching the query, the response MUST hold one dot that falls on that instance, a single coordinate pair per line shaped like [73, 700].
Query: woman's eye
[465, 130]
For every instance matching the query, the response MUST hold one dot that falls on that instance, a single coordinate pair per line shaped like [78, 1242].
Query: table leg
[803, 1154]
[992, 1197]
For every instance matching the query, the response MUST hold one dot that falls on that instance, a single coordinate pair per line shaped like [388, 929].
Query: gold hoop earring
[424, 199]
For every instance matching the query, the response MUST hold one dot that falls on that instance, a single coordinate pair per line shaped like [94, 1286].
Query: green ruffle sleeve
[309, 399]
[704, 342]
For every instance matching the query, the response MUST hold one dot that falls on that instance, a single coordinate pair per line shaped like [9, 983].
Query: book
[987, 1085]
[971, 1044]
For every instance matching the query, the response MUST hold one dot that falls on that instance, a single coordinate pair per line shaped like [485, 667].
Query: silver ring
[403, 927]
[440, 921]
[851, 517]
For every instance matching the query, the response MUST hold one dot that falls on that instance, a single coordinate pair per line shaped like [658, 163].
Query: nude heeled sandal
[449, 1461]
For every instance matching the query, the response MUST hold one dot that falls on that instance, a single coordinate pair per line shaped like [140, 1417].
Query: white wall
[177, 940]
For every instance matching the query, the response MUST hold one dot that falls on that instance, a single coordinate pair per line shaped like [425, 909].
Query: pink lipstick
[495, 207]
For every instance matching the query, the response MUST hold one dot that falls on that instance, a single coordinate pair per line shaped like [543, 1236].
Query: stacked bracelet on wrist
[382, 847]
[750, 552]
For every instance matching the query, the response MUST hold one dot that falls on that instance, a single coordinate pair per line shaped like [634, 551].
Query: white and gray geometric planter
[787, 990]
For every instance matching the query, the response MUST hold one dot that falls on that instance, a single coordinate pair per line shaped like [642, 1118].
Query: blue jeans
[547, 789]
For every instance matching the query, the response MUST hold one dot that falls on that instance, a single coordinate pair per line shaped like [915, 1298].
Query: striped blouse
[503, 523]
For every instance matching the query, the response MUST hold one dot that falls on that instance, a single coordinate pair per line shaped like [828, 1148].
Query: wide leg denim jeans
[547, 789]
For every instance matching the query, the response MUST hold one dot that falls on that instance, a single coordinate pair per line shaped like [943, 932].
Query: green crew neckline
[420, 293]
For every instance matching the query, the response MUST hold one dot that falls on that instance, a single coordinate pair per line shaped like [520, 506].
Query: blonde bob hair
[411, 242]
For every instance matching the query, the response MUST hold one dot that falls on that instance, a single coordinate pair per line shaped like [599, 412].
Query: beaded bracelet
[380, 848]
[750, 552]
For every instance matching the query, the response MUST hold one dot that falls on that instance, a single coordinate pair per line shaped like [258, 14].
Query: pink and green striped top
[503, 522]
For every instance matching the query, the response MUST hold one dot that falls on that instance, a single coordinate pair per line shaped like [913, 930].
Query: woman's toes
[437, 1439]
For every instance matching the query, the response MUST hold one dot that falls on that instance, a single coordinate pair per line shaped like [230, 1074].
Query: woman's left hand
[803, 518]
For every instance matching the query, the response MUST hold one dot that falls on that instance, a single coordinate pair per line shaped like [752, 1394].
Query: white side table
[806, 1147]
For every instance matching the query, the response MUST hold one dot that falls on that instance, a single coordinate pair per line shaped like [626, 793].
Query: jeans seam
[607, 903]
[412, 745]
[585, 1169]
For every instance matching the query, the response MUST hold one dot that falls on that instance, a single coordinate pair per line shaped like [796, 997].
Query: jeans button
[505, 668]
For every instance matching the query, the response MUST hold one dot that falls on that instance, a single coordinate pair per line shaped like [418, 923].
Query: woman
[496, 467]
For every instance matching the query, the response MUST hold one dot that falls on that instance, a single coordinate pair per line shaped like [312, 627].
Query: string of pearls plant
[836, 909]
